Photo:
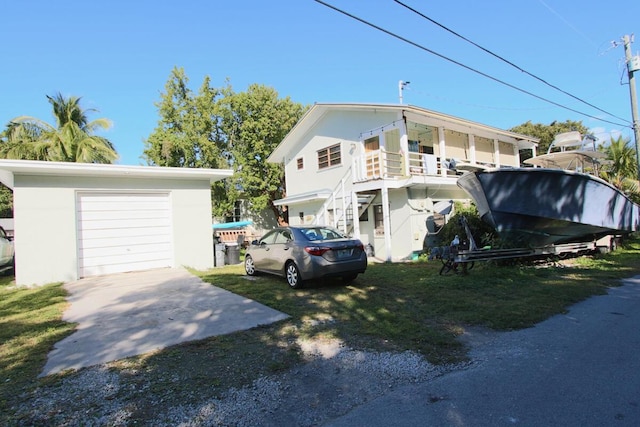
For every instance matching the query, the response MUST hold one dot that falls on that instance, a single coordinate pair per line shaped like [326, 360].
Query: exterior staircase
[339, 208]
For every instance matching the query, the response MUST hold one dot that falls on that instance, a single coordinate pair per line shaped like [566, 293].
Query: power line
[461, 64]
[569, 24]
[505, 60]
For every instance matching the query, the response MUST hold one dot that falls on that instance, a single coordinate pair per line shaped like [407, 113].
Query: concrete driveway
[128, 314]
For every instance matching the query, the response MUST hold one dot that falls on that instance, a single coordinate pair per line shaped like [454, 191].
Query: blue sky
[118, 55]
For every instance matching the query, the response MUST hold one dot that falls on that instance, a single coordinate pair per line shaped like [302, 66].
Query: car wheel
[293, 275]
[249, 266]
[349, 278]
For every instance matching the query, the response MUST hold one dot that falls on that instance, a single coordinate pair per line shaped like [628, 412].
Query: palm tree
[622, 168]
[72, 139]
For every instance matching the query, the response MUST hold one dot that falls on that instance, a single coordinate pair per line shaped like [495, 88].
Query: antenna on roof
[401, 85]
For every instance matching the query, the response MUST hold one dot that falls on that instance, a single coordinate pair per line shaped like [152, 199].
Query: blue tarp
[237, 224]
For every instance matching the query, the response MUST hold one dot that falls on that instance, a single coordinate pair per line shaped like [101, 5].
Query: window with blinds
[330, 156]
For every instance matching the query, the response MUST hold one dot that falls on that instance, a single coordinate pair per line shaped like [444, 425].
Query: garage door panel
[128, 233]
[124, 242]
[117, 268]
[114, 256]
[123, 232]
[123, 215]
[116, 224]
[89, 208]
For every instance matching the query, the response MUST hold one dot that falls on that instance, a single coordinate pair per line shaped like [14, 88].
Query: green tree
[621, 169]
[71, 139]
[187, 134]
[546, 133]
[255, 122]
[218, 128]
[6, 202]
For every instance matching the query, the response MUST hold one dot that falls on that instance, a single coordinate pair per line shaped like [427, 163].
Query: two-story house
[385, 173]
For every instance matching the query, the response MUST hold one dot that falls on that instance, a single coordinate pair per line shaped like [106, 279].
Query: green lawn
[390, 307]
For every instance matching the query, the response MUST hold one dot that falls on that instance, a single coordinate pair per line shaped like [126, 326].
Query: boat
[559, 199]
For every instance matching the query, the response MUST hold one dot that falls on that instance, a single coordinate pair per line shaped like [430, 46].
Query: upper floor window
[300, 163]
[330, 156]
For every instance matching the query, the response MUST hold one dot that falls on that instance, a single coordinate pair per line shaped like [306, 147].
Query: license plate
[344, 253]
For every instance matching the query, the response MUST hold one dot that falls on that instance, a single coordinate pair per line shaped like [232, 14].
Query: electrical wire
[505, 60]
[419, 46]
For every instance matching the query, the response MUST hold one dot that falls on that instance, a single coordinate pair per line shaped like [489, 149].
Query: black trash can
[233, 254]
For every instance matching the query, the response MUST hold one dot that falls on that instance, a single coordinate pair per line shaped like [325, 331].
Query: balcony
[382, 164]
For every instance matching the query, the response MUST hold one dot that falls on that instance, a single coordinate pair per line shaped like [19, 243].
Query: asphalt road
[577, 369]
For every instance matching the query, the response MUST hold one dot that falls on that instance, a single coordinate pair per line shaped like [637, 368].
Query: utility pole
[633, 64]
[401, 86]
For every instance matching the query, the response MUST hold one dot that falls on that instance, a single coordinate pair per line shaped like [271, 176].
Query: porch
[383, 164]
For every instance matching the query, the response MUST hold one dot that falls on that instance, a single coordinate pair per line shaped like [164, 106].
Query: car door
[261, 252]
[280, 250]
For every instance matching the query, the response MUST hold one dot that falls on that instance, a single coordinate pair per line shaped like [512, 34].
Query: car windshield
[321, 233]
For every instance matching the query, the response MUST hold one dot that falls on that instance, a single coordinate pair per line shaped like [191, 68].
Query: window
[237, 212]
[283, 236]
[372, 144]
[300, 163]
[270, 237]
[364, 216]
[330, 156]
[378, 219]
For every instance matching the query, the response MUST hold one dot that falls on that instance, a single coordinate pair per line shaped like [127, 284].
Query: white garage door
[120, 232]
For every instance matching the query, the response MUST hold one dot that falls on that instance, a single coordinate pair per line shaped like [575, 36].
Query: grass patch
[30, 324]
[411, 307]
[392, 307]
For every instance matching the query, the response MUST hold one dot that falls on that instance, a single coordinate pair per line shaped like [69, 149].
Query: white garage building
[74, 220]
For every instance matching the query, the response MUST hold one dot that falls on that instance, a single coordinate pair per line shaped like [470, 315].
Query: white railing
[339, 202]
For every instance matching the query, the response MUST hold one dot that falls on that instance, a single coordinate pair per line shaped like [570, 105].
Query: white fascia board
[9, 168]
[303, 197]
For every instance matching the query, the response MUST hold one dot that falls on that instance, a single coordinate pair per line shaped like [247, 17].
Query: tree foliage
[546, 133]
[621, 170]
[483, 234]
[255, 122]
[71, 139]
[219, 128]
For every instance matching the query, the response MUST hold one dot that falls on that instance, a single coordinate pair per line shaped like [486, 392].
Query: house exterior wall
[307, 210]
[408, 216]
[344, 128]
[46, 232]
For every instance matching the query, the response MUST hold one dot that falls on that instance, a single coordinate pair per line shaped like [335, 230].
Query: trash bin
[233, 254]
[219, 255]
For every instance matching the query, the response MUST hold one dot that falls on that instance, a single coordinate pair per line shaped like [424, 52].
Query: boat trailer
[453, 256]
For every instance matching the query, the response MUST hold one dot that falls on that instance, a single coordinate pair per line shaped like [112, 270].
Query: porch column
[442, 150]
[496, 152]
[344, 207]
[334, 223]
[404, 146]
[472, 148]
[386, 219]
[355, 209]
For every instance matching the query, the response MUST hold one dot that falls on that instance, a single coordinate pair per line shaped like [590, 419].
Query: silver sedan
[302, 253]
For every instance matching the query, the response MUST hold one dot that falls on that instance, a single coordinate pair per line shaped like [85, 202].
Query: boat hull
[541, 207]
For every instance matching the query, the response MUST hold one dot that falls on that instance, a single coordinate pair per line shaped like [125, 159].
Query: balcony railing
[382, 164]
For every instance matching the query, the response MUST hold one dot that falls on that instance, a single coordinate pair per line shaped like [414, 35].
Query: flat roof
[10, 168]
